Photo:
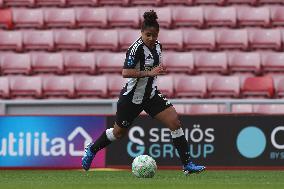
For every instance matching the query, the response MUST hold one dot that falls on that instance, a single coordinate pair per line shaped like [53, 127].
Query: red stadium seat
[265, 38]
[108, 62]
[277, 15]
[210, 62]
[98, 39]
[146, 2]
[251, 16]
[4, 87]
[25, 86]
[38, 40]
[220, 16]
[82, 2]
[127, 37]
[43, 62]
[164, 15]
[171, 39]
[28, 18]
[11, 40]
[70, 39]
[123, 17]
[180, 108]
[91, 17]
[114, 2]
[232, 39]
[199, 39]
[272, 62]
[22, 3]
[202, 2]
[244, 62]
[279, 87]
[14, 63]
[115, 84]
[260, 2]
[248, 2]
[242, 108]
[165, 84]
[6, 18]
[190, 86]
[75, 62]
[177, 2]
[91, 86]
[58, 86]
[59, 17]
[187, 16]
[180, 62]
[224, 86]
[268, 108]
[203, 109]
[61, 3]
[258, 87]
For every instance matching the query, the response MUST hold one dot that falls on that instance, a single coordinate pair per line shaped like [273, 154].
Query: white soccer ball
[144, 166]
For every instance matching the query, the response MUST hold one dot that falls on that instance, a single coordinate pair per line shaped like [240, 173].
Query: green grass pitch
[63, 179]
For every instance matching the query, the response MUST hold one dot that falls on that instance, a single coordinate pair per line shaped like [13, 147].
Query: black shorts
[127, 111]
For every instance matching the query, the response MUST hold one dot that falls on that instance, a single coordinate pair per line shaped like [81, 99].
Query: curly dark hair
[150, 20]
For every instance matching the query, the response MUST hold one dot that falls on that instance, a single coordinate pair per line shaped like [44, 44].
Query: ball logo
[251, 142]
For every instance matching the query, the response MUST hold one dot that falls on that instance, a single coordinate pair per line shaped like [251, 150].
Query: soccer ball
[144, 166]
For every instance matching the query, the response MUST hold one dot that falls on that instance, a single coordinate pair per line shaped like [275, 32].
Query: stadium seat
[253, 16]
[13, 3]
[59, 17]
[279, 87]
[242, 108]
[99, 39]
[60, 3]
[272, 62]
[190, 86]
[210, 62]
[91, 17]
[108, 62]
[28, 18]
[123, 17]
[204, 2]
[91, 86]
[248, 2]
[268, 108]
[224, 87]
[203, 109]
[244, 62]
[70, 39]
[4, 87]
[114, 2]
[177, 2]
[265, 2]
[277, 15]
[15, 63]
[199, 39]
[115, 84]
[6, 18]
[187, 16]
[43, 62]
[126, 37]
[146, 2]
[171, 39]
[232, 39]
[38, 40]
[165, 84]
[75, 62]
[265, 38]
[25, 86]
[164, 16]
[82, 2]
[258, 87]
[220, 16]
[178, 62]
[11, 40]
[58, 86]
[180, 108]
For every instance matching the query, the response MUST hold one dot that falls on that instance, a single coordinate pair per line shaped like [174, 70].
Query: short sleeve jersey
[142, 58]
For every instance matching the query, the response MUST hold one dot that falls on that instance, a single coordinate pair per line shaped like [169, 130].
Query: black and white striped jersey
[140, 57]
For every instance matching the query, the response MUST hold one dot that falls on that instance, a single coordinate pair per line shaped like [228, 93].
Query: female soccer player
[142, 66]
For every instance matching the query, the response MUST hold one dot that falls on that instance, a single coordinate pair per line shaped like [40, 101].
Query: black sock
[100, 143]
[182, 147]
